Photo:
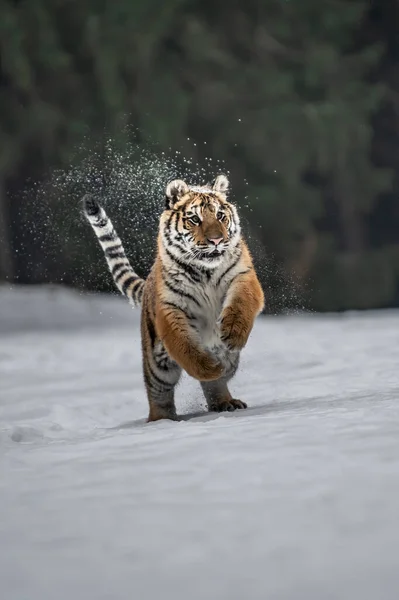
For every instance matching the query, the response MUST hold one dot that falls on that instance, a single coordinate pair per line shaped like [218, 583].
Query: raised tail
[127, 281]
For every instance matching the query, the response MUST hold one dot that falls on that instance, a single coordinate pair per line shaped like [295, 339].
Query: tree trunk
[6, 260]
[350, 219]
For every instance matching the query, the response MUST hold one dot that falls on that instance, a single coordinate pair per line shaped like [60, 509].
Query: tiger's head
[198, 224]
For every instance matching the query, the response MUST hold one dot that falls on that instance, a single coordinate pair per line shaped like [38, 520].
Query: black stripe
[135, 289]
[161, 382]
[168, 222]
[165, 366]
[118, 266]
[151, 332]
[228, 269]
[173, 243]
[111, 253]
[108, 237]
[100, 222]
[128, 282]
[117, 246]
[177, 307]
[123, 272]
[168, 226]
[188, 270]
[180, 293]
[240, 273]
[164, 362]
[152, 385]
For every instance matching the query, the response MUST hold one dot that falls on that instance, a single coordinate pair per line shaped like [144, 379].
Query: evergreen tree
[285, 93]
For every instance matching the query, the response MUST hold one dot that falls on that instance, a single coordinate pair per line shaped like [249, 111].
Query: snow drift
[296, 497]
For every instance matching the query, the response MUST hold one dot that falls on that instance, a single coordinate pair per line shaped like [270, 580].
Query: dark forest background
[297, 99]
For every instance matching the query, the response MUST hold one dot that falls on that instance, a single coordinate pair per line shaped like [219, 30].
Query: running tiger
[200, 299]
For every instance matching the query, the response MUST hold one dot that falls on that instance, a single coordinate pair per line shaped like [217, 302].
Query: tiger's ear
[221, 184]
[174, 191]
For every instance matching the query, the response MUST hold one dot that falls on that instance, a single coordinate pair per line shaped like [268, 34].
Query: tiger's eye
[195, 220]
[220, 215]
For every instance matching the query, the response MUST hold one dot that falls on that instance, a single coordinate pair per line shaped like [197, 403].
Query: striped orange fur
[200, 300]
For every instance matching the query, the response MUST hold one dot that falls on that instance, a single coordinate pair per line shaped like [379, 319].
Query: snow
[295, 498]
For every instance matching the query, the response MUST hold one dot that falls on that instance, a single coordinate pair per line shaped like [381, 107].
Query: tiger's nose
[215, 241]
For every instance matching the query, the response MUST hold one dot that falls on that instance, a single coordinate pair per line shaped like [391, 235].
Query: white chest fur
[207, 314]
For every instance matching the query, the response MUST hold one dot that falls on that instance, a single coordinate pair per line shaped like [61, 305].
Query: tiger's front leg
[244, 301]
[217, 393]
[179, 339]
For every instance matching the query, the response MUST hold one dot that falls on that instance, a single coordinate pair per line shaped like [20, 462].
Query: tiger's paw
[157, 412]
[205, 368]
[234, 330]
[229, 405]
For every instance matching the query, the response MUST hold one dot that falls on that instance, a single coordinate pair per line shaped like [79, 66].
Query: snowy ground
[295, 498]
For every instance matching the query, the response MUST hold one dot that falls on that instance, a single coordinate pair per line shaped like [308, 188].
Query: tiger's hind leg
[217, 393]
[161, 375]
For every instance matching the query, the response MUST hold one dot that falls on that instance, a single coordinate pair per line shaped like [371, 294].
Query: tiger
[200, 299]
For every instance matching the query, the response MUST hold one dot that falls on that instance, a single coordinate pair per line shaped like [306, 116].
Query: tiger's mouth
[211, 255]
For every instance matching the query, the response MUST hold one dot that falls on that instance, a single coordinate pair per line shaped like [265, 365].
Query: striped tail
[127, 281]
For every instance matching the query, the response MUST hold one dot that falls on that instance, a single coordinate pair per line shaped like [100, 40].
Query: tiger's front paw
[205, 368]
[234, 329]
[229, 405]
